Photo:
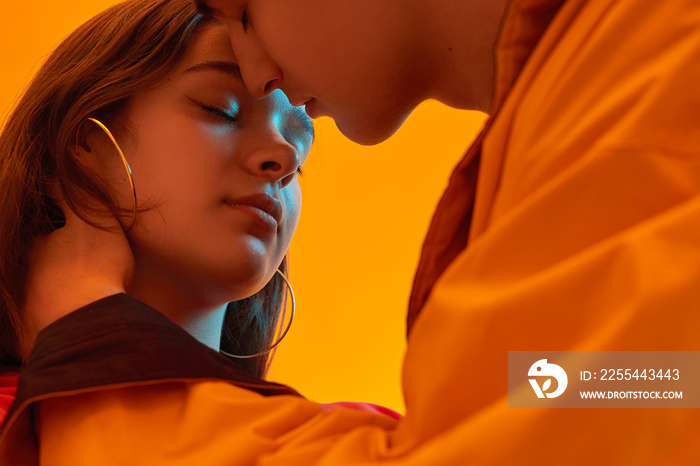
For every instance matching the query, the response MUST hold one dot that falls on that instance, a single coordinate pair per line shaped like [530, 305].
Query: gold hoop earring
[124, 161]
[291, 318]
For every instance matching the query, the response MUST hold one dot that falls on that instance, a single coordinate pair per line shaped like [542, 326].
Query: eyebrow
[226, 67]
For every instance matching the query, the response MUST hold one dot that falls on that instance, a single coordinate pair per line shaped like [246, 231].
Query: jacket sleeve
[632, 289]
[636, 289]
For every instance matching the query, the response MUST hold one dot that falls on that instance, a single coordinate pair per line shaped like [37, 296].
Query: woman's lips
[262, 207]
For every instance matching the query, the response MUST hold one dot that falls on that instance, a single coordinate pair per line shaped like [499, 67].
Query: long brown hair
[96, 72]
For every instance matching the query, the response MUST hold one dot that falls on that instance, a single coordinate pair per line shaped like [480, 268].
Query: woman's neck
[200, 318]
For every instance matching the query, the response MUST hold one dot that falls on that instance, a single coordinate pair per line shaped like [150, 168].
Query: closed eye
[218, 112]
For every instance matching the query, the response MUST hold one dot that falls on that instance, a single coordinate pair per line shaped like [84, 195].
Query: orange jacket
[584, 234]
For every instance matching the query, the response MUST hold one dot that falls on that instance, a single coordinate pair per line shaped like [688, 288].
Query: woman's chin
[237, 288]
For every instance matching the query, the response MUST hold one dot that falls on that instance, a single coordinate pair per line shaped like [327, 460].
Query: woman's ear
[93, 149]
[84, 142]
[97, 149]
[89, 156]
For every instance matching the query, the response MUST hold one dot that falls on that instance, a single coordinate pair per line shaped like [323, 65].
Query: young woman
[137, 162]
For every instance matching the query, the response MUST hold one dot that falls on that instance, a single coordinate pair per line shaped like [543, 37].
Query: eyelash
[220, 113]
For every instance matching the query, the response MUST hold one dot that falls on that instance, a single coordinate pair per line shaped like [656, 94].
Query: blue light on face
[234, 107]
[292, 123]
[228, 116]
[278, 121]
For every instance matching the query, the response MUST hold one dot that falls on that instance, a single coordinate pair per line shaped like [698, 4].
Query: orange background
[365, 212]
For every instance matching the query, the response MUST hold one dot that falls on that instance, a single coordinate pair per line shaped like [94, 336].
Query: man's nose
[261, 74]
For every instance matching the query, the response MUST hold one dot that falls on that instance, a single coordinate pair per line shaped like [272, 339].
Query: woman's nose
[274, 159]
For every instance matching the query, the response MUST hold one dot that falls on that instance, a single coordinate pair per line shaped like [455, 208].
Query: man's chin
[369, 134]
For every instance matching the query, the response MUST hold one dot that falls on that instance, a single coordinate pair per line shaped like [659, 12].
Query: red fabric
[8, 389]
[368, 407]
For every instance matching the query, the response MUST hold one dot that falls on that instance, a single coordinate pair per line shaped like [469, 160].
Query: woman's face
[220, 170]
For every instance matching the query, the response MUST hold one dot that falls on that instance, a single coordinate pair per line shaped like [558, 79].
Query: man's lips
[263, 202]
[309, 104]
[310, 109]
[299, 101]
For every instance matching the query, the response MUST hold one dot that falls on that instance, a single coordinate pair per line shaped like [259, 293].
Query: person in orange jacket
[571, 224]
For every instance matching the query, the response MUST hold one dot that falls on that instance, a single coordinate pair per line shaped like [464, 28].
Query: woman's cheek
[293, 205]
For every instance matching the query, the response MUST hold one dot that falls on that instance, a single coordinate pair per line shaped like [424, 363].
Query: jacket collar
[524, 24]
